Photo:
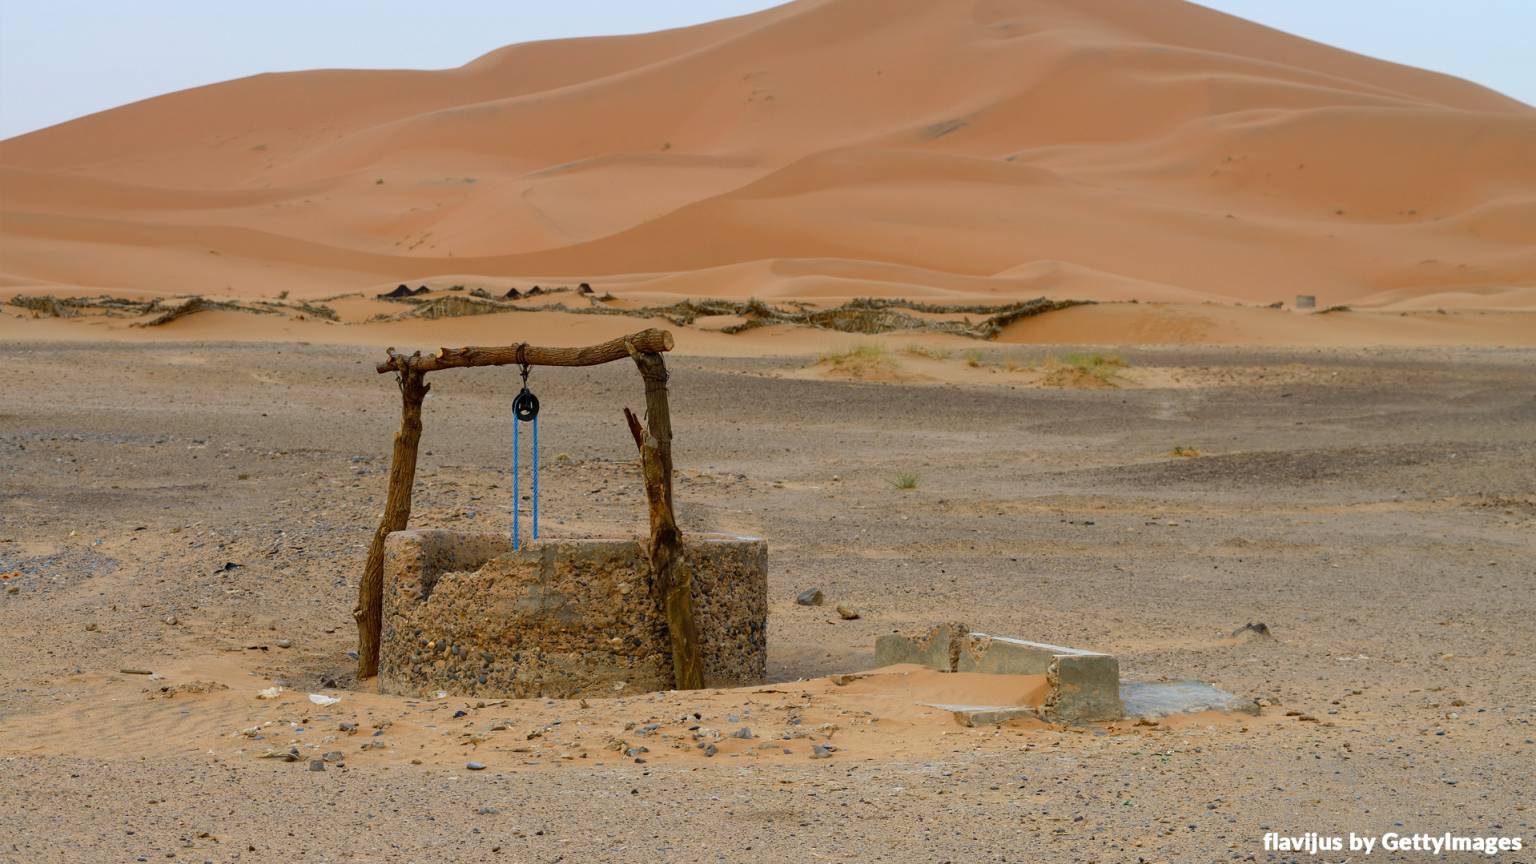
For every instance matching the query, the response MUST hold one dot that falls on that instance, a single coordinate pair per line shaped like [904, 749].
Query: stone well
[465, 614]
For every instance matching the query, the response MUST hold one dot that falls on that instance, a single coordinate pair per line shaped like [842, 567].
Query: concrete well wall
[560, 618]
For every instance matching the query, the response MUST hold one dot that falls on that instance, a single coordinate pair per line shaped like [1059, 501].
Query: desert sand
[193, 439]
[1373, 507]
[825, 149]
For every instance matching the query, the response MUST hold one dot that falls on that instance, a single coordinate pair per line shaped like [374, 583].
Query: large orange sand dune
[950, 149]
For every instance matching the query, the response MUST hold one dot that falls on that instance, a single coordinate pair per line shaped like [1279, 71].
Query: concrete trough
[465, 614]
[1084, 686]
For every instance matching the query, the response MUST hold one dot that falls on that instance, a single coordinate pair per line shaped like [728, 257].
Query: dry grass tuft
[1084, 370]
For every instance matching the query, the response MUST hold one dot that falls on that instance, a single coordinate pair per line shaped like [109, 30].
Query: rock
[170, 619]
[822, 751]
[475, 766]
[810, 597]
[349, 728]
[1251, 630]
[333, 756]
[285, 643]
[711, 750]
[743, 732]
[91, 627]
[134, 670]
[316, 765]
[847, 614]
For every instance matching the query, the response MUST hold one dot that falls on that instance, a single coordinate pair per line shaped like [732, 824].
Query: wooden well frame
[671, 579]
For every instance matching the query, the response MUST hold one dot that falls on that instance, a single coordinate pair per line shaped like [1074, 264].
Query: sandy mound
[824, 149]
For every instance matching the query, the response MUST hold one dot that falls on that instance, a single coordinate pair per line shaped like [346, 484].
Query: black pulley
[526, 405]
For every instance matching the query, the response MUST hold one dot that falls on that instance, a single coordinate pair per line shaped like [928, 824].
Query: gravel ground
[1375, 509]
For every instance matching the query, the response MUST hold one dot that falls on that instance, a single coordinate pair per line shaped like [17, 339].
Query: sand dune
[821, 150]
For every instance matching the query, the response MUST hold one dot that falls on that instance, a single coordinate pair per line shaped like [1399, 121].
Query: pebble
[285, 643]
[743, 732]
[711, 750]
[810, 597]
[847, 614]
[333, 756]
[347, 727]
[317, 765]
[475, 766]
[821, 751]
[170, 619]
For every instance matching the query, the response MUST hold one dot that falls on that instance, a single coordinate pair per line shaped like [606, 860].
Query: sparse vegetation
[1184, 452]
[973, 358]
[903, 481]
[859, 361]
[924, 351]
[1084, 370]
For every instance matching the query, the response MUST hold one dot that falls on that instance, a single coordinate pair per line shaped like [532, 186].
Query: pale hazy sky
[60, 59]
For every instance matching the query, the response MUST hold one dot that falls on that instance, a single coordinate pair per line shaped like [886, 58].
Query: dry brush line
[165, 311]
[863, 315]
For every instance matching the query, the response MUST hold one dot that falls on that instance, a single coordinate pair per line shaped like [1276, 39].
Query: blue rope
[517, 499]
[535, 476]
[516, 506]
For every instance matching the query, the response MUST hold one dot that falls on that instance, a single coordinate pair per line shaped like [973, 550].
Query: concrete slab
[984, 715]
[1084, 685]
[934, 647]
[1157, 699]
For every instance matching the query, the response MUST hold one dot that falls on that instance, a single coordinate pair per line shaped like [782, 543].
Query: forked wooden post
[671, 579]
[397, 514]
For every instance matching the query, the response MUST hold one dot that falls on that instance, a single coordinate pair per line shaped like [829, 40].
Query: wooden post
[672, 579]
[369, 613]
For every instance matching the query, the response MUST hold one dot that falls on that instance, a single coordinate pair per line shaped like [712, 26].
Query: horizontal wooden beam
[651, 341]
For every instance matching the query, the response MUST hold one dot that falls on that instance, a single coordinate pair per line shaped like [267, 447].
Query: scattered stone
[349, 728]
[134, 670]
[711, 750]
[822, 751]
[475, 766]
[847, 678]
[810, 597]
[847, 614]
[743, 732]
[333, 756]
[289, 755]
[317, 765]
[285, 643]
[1253, 630]
[170, 619]
[91, 627]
